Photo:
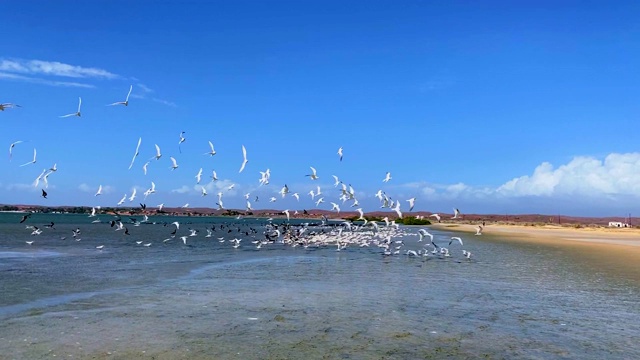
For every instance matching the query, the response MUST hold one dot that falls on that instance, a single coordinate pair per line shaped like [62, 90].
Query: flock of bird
[386, 237]
[366, 234]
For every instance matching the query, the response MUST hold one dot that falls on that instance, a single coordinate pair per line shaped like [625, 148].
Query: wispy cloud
[106, 189]
[15, 77]
[53, 68]
[146, 92]
[165, 102]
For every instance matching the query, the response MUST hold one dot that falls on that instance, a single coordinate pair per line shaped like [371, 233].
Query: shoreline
[628, 237]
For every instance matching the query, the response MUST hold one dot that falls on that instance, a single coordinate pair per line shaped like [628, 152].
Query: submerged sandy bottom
[516, 300]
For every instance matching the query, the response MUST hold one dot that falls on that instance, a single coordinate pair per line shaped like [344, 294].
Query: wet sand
[613, 249]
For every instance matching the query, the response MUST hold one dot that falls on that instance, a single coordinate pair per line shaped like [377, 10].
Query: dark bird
[50, 226]
[126, 231]
[143, 206]
[44, 194]
[24, 218]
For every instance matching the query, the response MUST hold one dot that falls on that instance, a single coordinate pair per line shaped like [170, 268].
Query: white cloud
[22, 187]
[7, 76]
[165, 102]
[53, 68]
[617, 174]
[106, 189]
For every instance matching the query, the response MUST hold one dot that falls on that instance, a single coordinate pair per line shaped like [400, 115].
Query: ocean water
[63, 298]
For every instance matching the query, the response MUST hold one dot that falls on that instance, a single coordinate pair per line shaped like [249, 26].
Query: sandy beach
[614, 249]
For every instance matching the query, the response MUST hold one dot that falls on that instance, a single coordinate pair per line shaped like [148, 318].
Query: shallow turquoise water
[208, 300]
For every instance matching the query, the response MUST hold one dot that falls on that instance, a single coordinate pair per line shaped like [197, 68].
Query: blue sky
[490, 107]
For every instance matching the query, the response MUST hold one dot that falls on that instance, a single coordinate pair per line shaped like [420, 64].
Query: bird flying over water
[125, 102]
[244, 157]
[182, 139]
[136, 153]
[212, 152]
[314, 174]
[412, 202]
[32, 161]
[174, 163]
[11, 148]
[8, 106]
[77, 113]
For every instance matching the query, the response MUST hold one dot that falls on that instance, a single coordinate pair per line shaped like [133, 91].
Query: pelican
[174, 163]
[313, 175]
[412, 202]
[77, 113]
[136, 153]
[212, 152]
[32, 161]
[125, 102]
[387, 177]
[244, 159]
[340, 153]
[99, 192]
[11, 148]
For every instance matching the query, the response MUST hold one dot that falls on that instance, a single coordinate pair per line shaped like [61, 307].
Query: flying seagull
[212, 152]
[340, 153]
[244, 157]
[34, 159]
[11, 148]
[8, 106]
[182, 139]
[126, 102]
[174, 164]
[136, 153]
[76, 113]
[313, 175]
[158, 154]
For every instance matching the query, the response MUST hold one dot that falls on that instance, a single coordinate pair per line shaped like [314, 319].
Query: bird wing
[130, 89]
[79, 103]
